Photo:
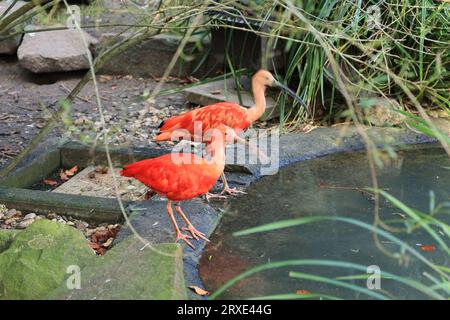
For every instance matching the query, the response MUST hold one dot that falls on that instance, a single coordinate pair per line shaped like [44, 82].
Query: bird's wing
[228, 113]
[176, 177]
[177, 122]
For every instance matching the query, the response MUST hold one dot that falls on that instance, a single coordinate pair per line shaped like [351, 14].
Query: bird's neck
[255, 112]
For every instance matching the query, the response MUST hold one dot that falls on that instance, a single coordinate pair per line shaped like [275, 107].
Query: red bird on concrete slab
[229, 114]
[183, 176]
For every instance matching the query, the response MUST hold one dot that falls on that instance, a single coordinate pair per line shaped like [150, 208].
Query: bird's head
[266, 79]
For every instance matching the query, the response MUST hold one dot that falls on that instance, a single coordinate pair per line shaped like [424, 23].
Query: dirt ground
[28, 100]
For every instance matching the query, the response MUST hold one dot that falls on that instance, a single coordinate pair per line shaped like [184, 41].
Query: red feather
[176, 181]
[212, 116]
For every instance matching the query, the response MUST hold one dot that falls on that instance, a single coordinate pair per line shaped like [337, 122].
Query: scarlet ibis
[179, 177]
[229, 114]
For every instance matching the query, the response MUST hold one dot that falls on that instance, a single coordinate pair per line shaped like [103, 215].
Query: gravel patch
[27, 101]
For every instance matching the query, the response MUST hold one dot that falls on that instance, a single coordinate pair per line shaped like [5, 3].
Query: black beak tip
[291, 93]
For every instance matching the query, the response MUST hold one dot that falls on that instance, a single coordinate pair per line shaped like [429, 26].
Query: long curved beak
[278, 84]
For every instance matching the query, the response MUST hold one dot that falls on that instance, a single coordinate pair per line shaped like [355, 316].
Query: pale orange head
[264, 77]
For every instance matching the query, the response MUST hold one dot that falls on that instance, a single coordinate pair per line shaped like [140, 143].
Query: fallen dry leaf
[199, 291]
[101, 235]
[188, 80]
[102, 238]
[108, 243]
[63, 176]
[428, 248]
[105, 78]
[302, 291]
[71, 171]
[101, 169]
[167, 79]
[50, 182]
[97, 248]
[94, 246]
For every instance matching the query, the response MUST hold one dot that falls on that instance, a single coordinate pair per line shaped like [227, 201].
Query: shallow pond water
[329, 186]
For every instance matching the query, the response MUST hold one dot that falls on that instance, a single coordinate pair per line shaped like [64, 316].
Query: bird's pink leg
[189, 227]
[209, 196]
[180, 236]
[227, 189]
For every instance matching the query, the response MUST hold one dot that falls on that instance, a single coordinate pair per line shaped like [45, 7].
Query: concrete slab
[88, 182]
[150, 220]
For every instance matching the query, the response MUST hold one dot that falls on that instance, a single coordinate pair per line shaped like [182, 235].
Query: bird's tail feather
[130, 170]
[165, 136]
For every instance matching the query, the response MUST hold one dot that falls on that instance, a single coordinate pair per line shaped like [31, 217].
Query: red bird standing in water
[179, 177]
[229, 114]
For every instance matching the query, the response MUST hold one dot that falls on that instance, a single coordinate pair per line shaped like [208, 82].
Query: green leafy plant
[365, 38]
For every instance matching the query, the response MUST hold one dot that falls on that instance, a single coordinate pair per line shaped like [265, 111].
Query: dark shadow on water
[309, 189]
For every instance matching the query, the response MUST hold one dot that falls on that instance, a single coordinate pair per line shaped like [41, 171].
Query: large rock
[10, 44]
[131, 271]
[54, 51]
[37, 259]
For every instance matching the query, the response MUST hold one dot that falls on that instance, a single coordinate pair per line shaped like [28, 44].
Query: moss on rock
[129, 271]
[37, 259]
[6, 238]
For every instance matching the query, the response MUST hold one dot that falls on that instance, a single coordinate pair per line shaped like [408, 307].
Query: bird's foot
[232, 191]
[209, 196]
[185, 238]
[195, 233]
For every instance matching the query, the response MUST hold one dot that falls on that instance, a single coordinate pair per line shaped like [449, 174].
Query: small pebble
[3, 209]
[51, 216]
[30, 216]
[78, 121]
[24, 223]
[10, 221]
[12, 213]
[89, 232]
